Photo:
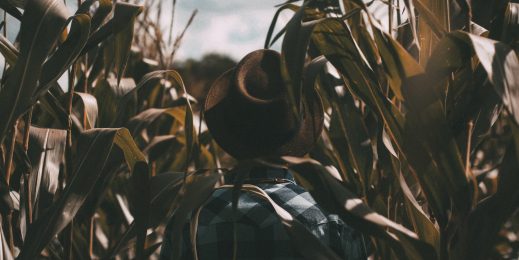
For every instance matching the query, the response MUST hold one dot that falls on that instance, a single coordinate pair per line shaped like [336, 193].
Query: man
[248, 113]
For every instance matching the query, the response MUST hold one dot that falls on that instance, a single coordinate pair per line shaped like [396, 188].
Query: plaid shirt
[260, 234]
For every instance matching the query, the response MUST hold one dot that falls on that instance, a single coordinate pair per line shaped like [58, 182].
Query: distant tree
[200, 74]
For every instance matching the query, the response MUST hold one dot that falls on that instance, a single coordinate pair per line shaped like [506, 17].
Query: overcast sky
[233, 27]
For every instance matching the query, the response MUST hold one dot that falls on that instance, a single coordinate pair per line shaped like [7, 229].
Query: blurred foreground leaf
[95, 147]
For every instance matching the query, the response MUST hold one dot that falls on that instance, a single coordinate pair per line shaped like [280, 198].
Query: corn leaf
[124, 38]
[163, 189]
[66, 53]
[511, 24]
[141, 121]
[293, 54]
[8, 50]
[95, 147]
[124, 14]
[268, 40]
[498, 59]
[5, 252]
[90, 110]
[42, 23]
[336, 199]
[10, 9]
[196, 190]
[109, 94]
[47, 156]
[493, 211]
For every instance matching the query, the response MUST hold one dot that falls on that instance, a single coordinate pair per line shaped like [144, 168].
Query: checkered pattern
[260, 234]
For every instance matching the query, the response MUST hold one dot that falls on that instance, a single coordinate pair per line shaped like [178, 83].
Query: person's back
[249, 115]
[259, 232]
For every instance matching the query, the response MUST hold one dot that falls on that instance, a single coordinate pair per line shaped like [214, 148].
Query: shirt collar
[262, 173]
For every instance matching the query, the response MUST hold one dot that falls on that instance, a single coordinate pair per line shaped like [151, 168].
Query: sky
[232, 27]
[235, 27]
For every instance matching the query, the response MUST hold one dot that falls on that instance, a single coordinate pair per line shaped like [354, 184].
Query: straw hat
[248, 113]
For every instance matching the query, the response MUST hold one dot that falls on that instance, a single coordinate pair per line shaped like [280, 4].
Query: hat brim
[217, 109]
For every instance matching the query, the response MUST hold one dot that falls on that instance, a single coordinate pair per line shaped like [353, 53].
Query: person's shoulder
[251, 210]
[290, 196]
[299, 203]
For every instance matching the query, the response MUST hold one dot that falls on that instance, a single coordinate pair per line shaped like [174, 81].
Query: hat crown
[258, 76]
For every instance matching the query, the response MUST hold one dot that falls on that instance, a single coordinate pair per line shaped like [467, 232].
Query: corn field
[420, 150]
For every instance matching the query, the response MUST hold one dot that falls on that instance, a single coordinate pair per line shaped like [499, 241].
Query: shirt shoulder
[256, 211]
[260, 234]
